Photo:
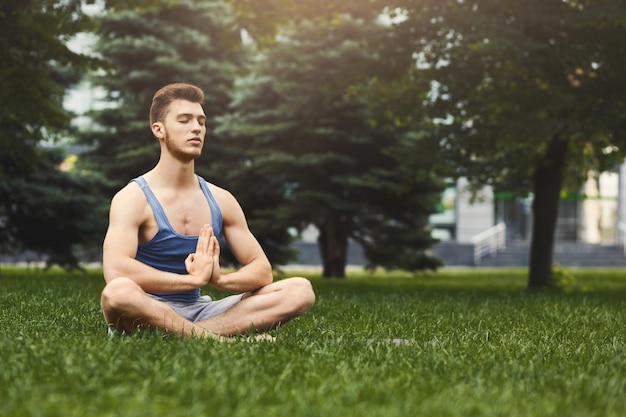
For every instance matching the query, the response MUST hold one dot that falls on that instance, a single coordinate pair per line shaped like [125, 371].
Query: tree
[56, 214]
[308, 139]
[146, 48]
[525, 94]
[263, 19]
[37, 67]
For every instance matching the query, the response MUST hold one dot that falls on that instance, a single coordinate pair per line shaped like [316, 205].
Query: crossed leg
[127, 307]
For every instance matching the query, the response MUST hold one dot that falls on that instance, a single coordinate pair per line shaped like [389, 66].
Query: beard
[180, 152]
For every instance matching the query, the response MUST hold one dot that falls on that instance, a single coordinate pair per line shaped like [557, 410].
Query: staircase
[567, 254]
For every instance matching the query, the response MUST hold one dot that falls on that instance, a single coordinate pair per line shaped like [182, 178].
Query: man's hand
[204, 265]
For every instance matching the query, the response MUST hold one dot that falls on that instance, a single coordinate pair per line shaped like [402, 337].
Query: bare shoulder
[129, 203]
[130, 193]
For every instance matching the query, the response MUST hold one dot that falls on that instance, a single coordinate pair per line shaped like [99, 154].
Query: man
[161, 245]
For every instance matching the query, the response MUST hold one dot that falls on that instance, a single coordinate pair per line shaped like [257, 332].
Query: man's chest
[186, 213]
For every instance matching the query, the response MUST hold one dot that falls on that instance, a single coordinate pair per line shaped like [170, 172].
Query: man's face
[183, 129]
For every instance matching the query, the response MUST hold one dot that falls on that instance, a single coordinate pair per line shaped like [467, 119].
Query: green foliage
[53, 213]
[476, 343]
[508, 77]
[138, 5]
[146, 48]
[263, 19]
[521, 95]
[303, 133]
[36, 68]
[41, 208]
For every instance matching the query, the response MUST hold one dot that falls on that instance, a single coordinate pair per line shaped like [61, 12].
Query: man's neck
[173, 174]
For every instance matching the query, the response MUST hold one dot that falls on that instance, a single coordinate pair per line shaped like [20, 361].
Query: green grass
[480, 345]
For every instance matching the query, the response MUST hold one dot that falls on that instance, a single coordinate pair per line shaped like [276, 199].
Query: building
[473, 229]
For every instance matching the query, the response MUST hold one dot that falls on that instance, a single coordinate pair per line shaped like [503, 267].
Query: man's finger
[189, 261]
[216, 247]
[203, 240]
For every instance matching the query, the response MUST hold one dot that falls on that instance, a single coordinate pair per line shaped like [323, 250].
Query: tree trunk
[547, 184]
[333, 246]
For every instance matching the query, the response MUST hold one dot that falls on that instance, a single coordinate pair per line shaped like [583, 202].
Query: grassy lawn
[478, 344]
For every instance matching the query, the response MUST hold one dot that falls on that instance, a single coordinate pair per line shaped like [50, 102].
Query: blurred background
[406, 134]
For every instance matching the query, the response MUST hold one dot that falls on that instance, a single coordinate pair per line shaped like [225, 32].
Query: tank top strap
[156, 207]
[216, 213]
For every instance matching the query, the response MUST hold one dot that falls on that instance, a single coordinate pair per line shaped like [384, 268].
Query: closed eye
[186, 118]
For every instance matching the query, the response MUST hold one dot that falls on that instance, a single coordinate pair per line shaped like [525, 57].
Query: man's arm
[128, 213]
[256, 270]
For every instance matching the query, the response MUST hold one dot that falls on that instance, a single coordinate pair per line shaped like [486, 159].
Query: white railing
[489, 242]
[620, 238]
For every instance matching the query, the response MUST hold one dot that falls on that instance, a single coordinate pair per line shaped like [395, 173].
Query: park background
[404, 129]
[389, 125]
[365, 121]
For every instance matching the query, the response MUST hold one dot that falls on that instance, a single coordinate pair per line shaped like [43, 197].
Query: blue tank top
[167, 250]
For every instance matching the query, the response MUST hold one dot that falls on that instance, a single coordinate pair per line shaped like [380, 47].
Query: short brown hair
[164, 96]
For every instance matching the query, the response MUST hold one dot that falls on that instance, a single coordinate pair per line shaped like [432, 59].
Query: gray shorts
[201, 309]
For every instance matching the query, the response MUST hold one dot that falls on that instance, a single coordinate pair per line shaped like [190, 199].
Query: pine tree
[306, 136]
[194, 42]
[42, 208]
[146, 48]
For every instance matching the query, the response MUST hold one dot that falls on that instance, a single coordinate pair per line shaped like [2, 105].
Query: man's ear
[158, 130]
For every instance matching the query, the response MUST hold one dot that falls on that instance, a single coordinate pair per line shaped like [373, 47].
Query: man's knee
[118, 293]
[301, 292]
